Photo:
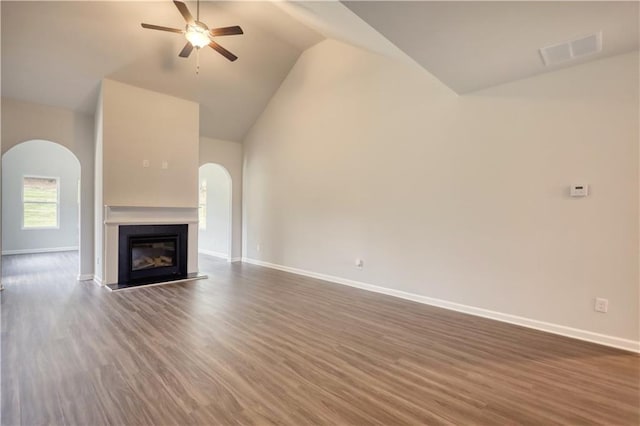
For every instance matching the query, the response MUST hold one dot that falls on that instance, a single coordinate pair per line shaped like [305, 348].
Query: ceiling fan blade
[184, 11]
[186, 50]
[158, 27]
[226, 31]
[224, 52]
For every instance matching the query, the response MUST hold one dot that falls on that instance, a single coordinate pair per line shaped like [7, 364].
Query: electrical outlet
[165, 164]
[359, 263]
[258, 247]
[145, 163]
[579, 190]
[601, 305]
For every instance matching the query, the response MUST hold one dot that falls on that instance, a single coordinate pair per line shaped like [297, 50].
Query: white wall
[39, 158]
[229, 155]
[140, 125]
[214, 238]
[24, 121]
[461, 199]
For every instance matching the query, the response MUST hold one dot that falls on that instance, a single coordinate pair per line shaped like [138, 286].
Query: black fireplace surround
[152, 253]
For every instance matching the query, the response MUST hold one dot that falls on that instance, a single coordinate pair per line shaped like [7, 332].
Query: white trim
[235, 259]
[589, 336]
[85, 277]
[150, 222]
[123, 215]
[97, 280]
[42, 250]
[214, 253]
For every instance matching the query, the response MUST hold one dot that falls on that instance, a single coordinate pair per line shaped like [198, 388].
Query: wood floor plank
[254, 346]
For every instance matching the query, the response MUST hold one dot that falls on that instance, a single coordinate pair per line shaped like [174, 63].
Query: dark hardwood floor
[256, 346]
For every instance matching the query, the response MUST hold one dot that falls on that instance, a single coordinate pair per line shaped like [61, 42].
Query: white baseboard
[43, 250]
[97, 280]
[214, 253]
[235, 259]
[85, 277]
[589, 336]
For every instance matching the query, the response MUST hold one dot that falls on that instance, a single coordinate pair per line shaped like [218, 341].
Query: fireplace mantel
[136, 215]
[116, 216]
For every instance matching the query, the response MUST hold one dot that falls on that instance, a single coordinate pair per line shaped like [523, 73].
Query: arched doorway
[40, 210]
[215, 216]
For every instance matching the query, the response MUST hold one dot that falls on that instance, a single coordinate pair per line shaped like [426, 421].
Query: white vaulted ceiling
[472, 45]
[56, 53]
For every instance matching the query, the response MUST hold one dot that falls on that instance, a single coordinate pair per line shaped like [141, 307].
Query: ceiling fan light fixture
[197, 36]
[197, 33]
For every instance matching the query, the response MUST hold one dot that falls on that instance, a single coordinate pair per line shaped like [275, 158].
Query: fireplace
[152, 253]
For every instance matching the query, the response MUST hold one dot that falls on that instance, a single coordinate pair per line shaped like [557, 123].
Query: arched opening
[215, 216]
[40, 211]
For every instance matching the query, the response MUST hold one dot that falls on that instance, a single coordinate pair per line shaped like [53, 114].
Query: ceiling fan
[197, 33]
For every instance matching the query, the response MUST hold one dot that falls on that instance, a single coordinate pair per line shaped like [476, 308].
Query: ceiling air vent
[562, 52]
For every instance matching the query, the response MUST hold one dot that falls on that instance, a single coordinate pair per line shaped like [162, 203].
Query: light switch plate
[579, 190]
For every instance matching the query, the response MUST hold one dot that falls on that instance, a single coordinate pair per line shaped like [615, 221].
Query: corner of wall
[98, 208]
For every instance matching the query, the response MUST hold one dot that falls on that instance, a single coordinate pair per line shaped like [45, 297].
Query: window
[40, 202]
[202, 205]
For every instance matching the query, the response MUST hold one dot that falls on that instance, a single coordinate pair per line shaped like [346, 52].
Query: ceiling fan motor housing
[198, 24]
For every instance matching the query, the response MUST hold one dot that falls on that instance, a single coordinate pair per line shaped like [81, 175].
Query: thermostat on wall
[579, 190]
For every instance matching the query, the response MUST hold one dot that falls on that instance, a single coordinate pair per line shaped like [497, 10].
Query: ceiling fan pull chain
[197, 61]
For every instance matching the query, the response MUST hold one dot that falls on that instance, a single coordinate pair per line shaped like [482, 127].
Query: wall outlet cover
[601, 305]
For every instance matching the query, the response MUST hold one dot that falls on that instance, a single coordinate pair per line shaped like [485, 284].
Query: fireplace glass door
[152, 254]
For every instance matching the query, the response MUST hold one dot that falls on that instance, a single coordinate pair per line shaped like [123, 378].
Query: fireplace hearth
[152, 254]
